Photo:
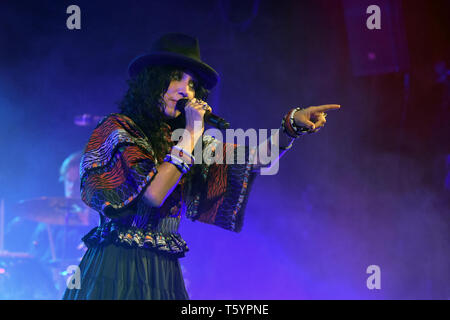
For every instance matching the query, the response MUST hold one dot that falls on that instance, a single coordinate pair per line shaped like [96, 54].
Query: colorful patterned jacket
[117, 166]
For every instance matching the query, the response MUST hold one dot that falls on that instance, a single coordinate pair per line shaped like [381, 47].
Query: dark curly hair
[142, 103]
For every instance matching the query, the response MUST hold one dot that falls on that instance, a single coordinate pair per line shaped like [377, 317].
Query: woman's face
[179, 88]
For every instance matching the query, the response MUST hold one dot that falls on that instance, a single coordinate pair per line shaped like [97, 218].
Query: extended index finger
[326, 107]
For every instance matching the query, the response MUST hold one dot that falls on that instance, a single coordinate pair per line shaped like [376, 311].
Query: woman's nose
[183, 90]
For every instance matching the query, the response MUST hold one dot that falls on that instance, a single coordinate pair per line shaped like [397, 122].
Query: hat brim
[207, 75]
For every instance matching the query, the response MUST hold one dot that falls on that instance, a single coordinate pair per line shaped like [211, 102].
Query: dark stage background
[371, 188]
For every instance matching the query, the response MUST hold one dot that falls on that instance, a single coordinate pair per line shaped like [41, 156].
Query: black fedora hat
[179, 50]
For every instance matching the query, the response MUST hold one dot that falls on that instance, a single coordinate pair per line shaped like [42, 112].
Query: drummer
[45, 241]
[48, 241]
[69, 174]
[52, 246]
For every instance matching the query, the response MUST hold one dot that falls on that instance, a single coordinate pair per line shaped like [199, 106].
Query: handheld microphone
[209, 117]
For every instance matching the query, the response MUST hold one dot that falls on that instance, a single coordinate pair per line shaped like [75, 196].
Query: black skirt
[115, 272]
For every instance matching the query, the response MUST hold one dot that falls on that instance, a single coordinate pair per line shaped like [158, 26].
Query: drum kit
[32, 275]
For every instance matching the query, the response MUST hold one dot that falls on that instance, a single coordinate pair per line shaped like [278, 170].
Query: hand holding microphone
[208, 116]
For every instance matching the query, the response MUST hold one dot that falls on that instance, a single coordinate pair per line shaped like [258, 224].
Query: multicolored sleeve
[222, 194]
[117, 165]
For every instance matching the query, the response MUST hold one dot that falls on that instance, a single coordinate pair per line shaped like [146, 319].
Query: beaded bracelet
[289, 126]
[182, 166]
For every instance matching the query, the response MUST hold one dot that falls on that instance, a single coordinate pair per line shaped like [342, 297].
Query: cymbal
[54, 210]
